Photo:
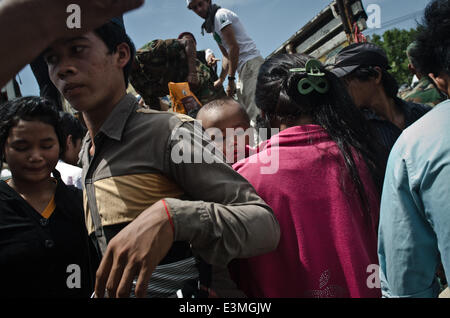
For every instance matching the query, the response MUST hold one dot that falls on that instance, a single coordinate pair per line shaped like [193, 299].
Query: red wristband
[168, 215]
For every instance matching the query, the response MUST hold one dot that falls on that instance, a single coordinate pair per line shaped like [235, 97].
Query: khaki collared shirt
[137, 163]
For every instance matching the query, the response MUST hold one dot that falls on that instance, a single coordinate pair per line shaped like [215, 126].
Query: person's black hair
[70, 125]
[47, 89]
[113, 35]
[433, 41]
[365, 73]
[29, 109]
[189, 34]
[414, 53]
[277, 95]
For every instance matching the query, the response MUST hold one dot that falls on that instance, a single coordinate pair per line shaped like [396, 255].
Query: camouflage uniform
[423, 92]
[162, 61]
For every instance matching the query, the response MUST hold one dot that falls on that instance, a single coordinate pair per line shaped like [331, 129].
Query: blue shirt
[414, 232]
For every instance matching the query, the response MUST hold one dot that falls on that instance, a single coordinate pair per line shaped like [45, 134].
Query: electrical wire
[395, 21]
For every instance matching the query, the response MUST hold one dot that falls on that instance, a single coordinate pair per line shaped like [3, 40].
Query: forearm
[226, 218]
[233, 57]
[191, 55]
[224, 71]
[26, 42]
[220, 233]
[28, 27]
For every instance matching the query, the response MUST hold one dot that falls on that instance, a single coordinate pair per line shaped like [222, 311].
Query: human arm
[30, 26]
[224, 71]
[232, 57]
[412, 222]
[135, 251]
[211, 61]
[191, 54]
[223, 219]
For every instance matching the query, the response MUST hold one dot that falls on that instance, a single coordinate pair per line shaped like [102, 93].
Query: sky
[268, 22]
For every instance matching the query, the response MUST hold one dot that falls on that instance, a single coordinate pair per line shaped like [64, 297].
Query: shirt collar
[404, 107]
[114, 125]
[411, 110]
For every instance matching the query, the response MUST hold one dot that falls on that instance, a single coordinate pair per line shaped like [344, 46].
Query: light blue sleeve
[407, 244]
[435, 193]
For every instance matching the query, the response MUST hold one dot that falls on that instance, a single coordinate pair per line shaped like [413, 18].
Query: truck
[333, 28]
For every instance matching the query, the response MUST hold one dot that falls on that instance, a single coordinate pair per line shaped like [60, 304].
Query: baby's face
[234, 142]
[231, 133]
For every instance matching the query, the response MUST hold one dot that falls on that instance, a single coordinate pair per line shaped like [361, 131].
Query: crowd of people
[127, 199]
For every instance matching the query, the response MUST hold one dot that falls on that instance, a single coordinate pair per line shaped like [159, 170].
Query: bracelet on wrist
[168, 215]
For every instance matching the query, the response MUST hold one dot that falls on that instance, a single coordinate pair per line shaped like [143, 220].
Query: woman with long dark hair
[325, 192]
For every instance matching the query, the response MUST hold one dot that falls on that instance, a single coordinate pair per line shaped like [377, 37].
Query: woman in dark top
[44, 247]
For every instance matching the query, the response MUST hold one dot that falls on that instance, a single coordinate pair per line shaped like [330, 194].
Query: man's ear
[68, 140]
[442, 82]
[379, 77]
[123, 54]
[412, 69]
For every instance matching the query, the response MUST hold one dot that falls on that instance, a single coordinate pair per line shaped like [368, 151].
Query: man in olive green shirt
[143, 193]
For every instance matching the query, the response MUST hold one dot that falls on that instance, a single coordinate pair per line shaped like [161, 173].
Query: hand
[135, 251]
[193, 81]
[142, 102]
[212, 61]
[231, 89]
[30, 26]
[218, 84]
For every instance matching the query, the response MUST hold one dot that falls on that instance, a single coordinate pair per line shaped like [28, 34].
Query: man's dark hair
[189, 34]
[28, 109]
[364, 73]
[70, 125]
[112, 35]
[433, 41]
[412, 52]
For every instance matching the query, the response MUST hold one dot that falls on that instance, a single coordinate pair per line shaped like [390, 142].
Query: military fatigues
[162, 61]
[423, 92]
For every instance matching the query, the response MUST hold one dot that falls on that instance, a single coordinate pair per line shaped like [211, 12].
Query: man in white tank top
[239, 52]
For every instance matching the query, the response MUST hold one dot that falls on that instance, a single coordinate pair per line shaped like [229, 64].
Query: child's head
[231, 119]
[433, 44]
[73, 134]
[30, 138]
